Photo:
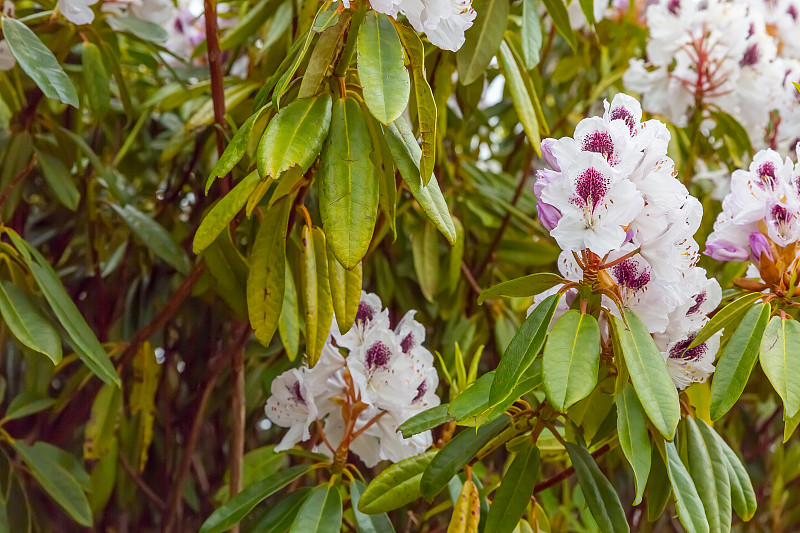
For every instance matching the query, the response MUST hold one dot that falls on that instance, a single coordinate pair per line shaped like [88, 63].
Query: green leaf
[455, 454]
[383, 76]
[482, 39]
[80, 334]
[289, 323]
[220, 216]
[345, 291]
[38, 62]
[407, 154]
[96, 79]
[520, 95]
[728, 315]
[423, 99]
[143, 29]
[466, 510]
[648, 372]
[571, 359]
[428, 419]
[687, 501]
[256, 465]
[348, 188]
[58, 481]
[240, 505]
[323, 55]
[737, 360]
[374, 523]
[743, 497]
[425, 253]
[233, 152]
[709, 470]
[558, 12]
[600, 495]
[633, 437]
[155, 237]
[249, 24]
[514, 494]
[658, 491]
[265, 282]
[294, 136]
[396, 486]
[327, 17]
[229, 270]
[780, 360]
[317, 302]
[279, 517]
[26, 404]
[27, 323]
[531, 34]
[58, 178]
[321, 512]
[102, 424]
[529, 285]
[474, 399]
[587, 6]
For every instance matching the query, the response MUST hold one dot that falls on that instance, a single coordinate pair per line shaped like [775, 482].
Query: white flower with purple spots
[291, 405]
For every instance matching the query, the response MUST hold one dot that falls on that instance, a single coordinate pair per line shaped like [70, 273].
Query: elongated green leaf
[708, 467]
[780, 360]
[687, 501]
[455, 454]
[143, 29]
[323, 55]
[600, 495]
[233, 152]
[383, 76]
[396, 486]
[571, 359]
[558, 12]
[317, 303]
[407, 153]
[249, 24]
[428, 419]
[633, 437]
[649, 374]
[38, 62]
[423, 98]
[728, 315]
[737, 360]
[348, 191]
[27, 323]
[58, 178]
[515, 491]
[474, 399]
[425, 251]
[345, 291]
[522, 350]
[154, 236]
[43, 461]
[26, 404]
[102, 423]
[743, 497]
[265, 282]
[240, 505]
[223, 212]
[587, 6]
[327, 16]
[294, 136]
[96, 79]
[80, 334]
[482, 39]
[659, 490]
[529, 285]
[374, 523]
[321, 512]
[289, 322]
[279, 517]
[466, 510]
[520, 96]
[531, 34]
[229, 270]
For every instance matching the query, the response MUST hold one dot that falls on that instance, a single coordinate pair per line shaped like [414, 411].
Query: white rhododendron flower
[7, 60]
[389, 373]
[611, 198]
[77, 11]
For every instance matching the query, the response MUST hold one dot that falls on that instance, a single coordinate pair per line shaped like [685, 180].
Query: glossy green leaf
[649, 374]
[737, 360]
[265, 282]
[38, 62]
[474, 399]
[102, 424]
[725, 317]
[58, 178]
[633, 437]
[348, 187]
[482, 39]
[383, 76]
[407, 154]
[368, 523]
[143, 29]
[321, 512]
[428, 419]
[96, 79]
[154, 236]
[233, 152]
[223, 212]
[279, 517]
[587, 6]
[229, 270]
[557, 10]
[289, 322]
[780, 360]
[455, 454]
[294, 136]
[466, 510]
[687, 500]
[26, 404]
[425, 252]
[56, 479]
[571, 359]
[396, 486]
[529, 285]
[345, 291]
[708, 467]
[520, 95]
[659, 490]
[316, 292]
[27, 323]
[531, 34]
[323, 55]
[515, 491]
[240, 505]
[249, 24]
[600, 495]
[743, 497]
[328, 16]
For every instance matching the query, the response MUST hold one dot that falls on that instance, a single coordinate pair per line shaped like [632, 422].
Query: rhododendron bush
[400, 265]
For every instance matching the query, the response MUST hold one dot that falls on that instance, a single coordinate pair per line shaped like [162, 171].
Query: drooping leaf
[234, 151]
[571, 359]
[531, 34]
[321, 512]
[425, 251]
[323, 55]
[143, 29]
[728, 315]
[515, 491]
[520, 95]
[368, 523]
[743, 497]
[279, 517]
[96, 79]
[529, 285]
[557, 10]
[27, 323]
[633, 437]
[345, 291]
[659, 490]
[708, 467]
[466, 510]
[317, 302]
[142, 400]
[428, 419]
[154, 236]
[102, 423]
[223, 212]
[482, 39]
[289, 322]
[600, 495]
[58, 178]
[687, 500]
[396, 486]
[780, 360]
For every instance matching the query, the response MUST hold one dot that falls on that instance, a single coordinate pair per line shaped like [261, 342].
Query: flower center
[294, 392]
[365, 312]
[600, 142]
[590, 189]
[421, 390]
[750, 57]
[673, 6]
[628, 276]
[698, 301]
[407, 343]
[623, 114]
[692, 354]
[767, 174]
[378, 356]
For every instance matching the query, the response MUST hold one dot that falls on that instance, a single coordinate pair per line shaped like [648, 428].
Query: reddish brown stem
[217, 86]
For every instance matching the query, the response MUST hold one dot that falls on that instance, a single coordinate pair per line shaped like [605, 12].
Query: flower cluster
[626, 225]
[721, 54]
[760, 218]
[386, 377]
